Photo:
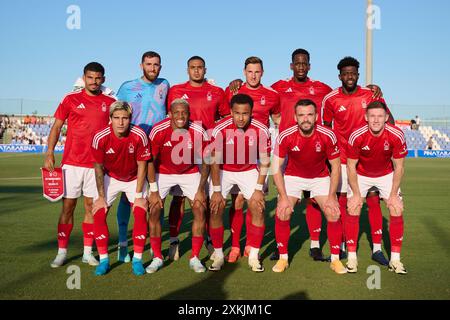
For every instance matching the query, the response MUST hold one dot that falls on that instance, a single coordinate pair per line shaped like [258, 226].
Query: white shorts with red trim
[114, 187]
[79, 180]
[383, 184]
[317, 186]
[246, 181]
[188, 183]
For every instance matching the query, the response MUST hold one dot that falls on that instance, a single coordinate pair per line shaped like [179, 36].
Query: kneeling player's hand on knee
[141, 202]
[354, 204]
[258, 199]
[99, 203]
[331, 208]
[217, 202]
[284, 209]
[154, 201]
[395, 204]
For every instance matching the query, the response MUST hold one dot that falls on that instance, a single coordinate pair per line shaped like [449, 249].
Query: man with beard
[147, 96]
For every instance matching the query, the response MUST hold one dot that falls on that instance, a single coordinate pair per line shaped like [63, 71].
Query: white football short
[188, 183]
[79, 180]
[114, 187]
[383, 184]
[245, 180]
[317, 186]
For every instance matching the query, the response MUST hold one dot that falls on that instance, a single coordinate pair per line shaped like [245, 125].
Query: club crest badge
[311, 91]
[130, 148]
[318, 146]
[104, 107]
[209, 96]
[364, 104]
[386, 145]
[263, 101]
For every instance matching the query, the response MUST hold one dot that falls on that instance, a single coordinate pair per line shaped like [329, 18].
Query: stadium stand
[417, 139]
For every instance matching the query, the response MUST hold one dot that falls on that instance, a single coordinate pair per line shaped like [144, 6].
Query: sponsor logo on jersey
[130, 148]
[110, 151]
[386, 145]
[231, 141]
[209, 96]
[104, 107]
[185, 96]
[138, 96]
[336, 150]
[289, 90]
[366, 148]
[81, 106]
[342, 108]
[296, 148]
[318, 146]
[263, 101]
[168, 144]
[146, 153]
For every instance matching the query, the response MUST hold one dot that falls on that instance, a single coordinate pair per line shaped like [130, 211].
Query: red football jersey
[177, 151]
[85, 116]
[206, 103]
[266, 102]
[119, 156]
[307, 155]
[291, 92]
[240, 149]
[347, 112]
[374, 153]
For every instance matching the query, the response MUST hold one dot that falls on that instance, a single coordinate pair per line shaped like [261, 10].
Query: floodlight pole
[368, 43]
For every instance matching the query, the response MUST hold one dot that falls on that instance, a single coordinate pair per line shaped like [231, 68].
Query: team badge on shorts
[311, 91]
[130, 148]
[263, 101]
[209, 96]
[318, 146]
[104, 107]
[364, 104]
[386, 145]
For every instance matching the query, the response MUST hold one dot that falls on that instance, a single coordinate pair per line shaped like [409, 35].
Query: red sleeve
[276, 105]
[332, 149]
[170, 98]
[327, 111]
[353, 149]
[281, 147]
[143, 150]
[98, 151]
[224, 107]
[400, 149]
[155, 145]
[265, 143]
[63, 110]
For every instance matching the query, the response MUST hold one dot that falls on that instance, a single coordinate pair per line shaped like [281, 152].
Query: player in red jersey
[85, 111]
[344, 108]
[121, 152]
[376, 155]
[266, 105]
[177, 147]
[307, 146]
[206, 105]
[241, 156]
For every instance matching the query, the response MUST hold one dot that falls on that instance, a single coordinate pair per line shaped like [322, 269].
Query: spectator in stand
[430, 143]
[417, 122]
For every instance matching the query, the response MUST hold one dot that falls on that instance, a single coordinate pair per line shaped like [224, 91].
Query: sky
[40, 57]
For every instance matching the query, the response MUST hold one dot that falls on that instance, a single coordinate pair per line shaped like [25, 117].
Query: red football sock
[101, 232]
[313, 220]
[334, 232]
[64, 231]
[88, 234]
[396, 233]
[282, 234]
[375, 218]
[255, 235]
[155, 243]
[216, 237]
[236, 223]
[196, 246]
[139, 229]
[351, 232]
[176, 215]
[343, 208]
[248, 221]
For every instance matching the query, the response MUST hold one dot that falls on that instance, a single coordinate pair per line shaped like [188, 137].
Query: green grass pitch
[28, 244]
